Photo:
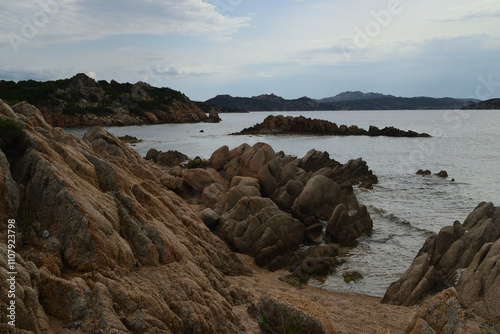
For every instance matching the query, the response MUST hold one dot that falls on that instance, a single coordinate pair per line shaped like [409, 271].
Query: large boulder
[345, 228]
[247, 160]
[198, 178]
[215, 197]
[219, 158]
[209, 217]
[238, 192]
[169, 158]
[244, 181]
[317, 200]
[256, 226]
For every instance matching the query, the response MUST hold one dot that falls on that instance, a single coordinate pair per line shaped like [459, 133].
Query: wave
[400, 221]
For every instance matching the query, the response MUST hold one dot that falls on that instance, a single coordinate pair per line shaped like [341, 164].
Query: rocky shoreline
[289, 125]
[107, 241]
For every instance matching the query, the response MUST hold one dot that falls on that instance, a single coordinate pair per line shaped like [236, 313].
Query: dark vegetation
[493, 104]
[101, 98]
[10, 134]
[206, 107]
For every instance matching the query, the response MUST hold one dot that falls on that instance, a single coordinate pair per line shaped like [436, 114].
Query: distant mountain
[357, 95]
[493, 104]
[399, 103]
[342, 101]
[82, 101]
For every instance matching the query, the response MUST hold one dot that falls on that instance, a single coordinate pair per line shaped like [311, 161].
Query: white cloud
[76, 20]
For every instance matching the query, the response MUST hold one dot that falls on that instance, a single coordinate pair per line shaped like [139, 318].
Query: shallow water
[405, 208]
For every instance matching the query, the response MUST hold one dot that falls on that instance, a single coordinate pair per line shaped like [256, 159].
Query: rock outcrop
[265, 204]
[213, 116]
[101, 243]
[279, 125]
[169, 158]
[461, 256]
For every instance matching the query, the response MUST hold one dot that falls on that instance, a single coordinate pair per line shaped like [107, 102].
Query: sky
[292, 48]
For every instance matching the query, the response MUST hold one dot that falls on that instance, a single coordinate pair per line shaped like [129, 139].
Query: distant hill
[399, 103]
[82, 101]
[206, 107]
[268, 102]
[493, 104]
[343, 101]
[357, 95]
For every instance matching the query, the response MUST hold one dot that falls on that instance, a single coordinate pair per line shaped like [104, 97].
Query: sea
[406, 208]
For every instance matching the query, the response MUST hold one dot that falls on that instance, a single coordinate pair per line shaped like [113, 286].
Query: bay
[406, 208]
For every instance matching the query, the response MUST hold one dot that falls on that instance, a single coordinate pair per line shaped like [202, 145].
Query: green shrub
[281, 323]
[10, 131]
[275, 317]
[25, 219]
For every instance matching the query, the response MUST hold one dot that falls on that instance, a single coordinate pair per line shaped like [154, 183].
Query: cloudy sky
[291, 48]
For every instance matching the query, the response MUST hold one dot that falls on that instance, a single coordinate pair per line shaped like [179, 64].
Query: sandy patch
[347, 313]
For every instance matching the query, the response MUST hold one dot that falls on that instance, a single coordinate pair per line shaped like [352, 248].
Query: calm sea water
[405, 208]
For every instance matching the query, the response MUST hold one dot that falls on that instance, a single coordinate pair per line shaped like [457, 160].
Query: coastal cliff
[82, 101]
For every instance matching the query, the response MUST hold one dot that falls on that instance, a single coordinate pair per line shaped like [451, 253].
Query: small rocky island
[288, 125]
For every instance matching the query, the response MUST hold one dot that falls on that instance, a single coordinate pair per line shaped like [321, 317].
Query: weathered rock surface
[102, 245]
[479, 285]
[280, 124]
[443, 314]
[209, 217]
[317, 199]
[344, 228]
[461, 256]
[256, 226]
